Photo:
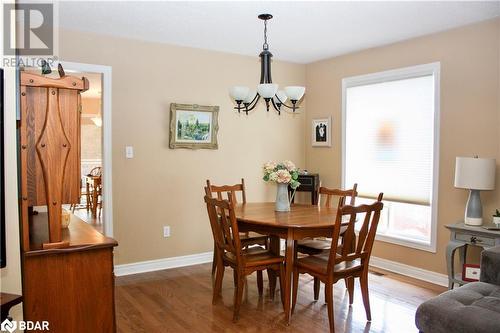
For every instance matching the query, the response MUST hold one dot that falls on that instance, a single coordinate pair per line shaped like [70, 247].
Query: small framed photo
[193, 126]
[470, 272]
[322, 132]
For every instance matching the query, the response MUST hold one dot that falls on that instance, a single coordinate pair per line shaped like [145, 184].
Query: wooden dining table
[300, 222]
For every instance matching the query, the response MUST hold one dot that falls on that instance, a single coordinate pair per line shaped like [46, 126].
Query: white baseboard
[411, 271]
[165, 263]
[201, 258]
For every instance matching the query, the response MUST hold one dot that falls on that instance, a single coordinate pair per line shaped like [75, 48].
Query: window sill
[429, 247]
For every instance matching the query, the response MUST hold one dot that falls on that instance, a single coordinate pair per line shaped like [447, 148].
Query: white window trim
[392, 75]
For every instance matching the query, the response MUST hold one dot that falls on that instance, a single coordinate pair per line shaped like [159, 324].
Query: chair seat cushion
[474, 307]
[318, 264]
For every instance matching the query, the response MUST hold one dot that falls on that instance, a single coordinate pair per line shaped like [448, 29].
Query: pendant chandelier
[247, 99]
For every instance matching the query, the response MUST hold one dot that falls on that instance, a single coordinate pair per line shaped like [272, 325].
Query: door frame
[107, 151]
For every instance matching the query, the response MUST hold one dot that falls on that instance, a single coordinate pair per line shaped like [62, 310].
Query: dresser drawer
[475, 240]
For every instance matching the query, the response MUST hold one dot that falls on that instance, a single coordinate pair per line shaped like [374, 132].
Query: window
[390, 145]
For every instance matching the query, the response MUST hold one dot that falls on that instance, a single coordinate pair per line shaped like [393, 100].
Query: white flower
[269, 166]
[273, 176]
[289, 165]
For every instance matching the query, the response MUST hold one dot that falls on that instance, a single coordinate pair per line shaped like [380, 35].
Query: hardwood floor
[95, 222]
[180, 300]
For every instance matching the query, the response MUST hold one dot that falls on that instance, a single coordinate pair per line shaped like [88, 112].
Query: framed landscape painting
[321, 132]
[193, 126]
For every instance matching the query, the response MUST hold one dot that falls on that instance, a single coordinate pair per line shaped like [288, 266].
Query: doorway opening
[96, 203]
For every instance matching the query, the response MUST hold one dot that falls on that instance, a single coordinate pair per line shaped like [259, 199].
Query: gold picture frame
[193, 126]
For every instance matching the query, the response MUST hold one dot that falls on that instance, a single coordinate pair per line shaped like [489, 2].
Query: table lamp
[474, 174]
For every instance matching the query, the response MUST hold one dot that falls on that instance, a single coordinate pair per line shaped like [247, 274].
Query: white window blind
[389, 129]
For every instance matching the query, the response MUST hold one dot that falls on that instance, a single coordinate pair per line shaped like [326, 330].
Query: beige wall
[470, 113]
[161, 186]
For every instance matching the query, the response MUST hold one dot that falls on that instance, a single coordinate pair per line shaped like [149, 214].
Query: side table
[463, 235]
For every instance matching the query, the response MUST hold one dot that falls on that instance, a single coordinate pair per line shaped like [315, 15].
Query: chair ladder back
[330, 193]
[363, 244]
[224, 225]
[232, 189]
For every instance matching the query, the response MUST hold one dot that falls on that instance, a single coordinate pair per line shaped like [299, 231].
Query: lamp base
[474, 209]
[475, 221]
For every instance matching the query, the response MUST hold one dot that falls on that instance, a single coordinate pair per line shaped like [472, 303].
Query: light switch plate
[166, 231]
[129, 152]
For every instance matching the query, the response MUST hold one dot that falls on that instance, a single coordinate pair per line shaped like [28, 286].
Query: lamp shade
[475, 173]
[239, 93]
[267, 90]
[250, 96]
[280, 97]
[295, 92]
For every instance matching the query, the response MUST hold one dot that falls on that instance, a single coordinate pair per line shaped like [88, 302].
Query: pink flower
[284, 176]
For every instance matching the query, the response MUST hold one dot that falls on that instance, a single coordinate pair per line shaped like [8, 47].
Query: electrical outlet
[166, 231]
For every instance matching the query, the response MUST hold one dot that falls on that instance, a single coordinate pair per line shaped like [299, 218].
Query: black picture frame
[3, 257]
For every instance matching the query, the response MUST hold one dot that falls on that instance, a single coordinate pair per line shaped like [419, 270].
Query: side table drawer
[475, 240]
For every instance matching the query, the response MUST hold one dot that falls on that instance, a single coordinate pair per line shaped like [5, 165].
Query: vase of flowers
[284, 174]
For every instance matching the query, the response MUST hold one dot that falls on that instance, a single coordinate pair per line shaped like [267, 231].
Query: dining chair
[247, 238]
[244, 261]
[314, 246]
[94, 172]
[350, 263]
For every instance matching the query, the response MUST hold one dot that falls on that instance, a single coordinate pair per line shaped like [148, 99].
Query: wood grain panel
[74, 291]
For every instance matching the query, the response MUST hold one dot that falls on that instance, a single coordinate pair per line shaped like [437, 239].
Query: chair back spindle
[224, 225]
[354, 247]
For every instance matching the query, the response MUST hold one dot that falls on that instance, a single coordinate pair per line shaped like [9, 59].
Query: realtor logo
[35, 29]
[8, 326]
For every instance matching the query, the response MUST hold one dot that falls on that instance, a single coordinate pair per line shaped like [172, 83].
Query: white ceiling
[301, 32]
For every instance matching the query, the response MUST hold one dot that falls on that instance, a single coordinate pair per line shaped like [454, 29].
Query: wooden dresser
[67, 274]
[72, 287]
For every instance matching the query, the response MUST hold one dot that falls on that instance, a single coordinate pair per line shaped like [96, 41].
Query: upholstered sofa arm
[490, 266]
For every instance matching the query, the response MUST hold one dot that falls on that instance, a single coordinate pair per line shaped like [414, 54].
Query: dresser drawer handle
[474, 239]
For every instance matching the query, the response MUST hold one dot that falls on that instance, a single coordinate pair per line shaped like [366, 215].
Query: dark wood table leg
[289, 259]
[274, 246]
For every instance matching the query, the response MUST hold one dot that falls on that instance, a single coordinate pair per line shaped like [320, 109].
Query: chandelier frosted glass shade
[267, 90]
[295, 93]
[247, 99]
[280, 97]
[239, 93]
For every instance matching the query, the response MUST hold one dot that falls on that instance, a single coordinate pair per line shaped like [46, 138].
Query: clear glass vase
[282, 200]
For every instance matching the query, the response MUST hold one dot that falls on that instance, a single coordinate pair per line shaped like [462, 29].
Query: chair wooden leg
[316, 288]
[214, 260]
[218, 282]
[295, 288]
[363, 281]
[235, 278]
[271, 274]
[329, 298]
[238, 296]
[350, 289]
[260, 282]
